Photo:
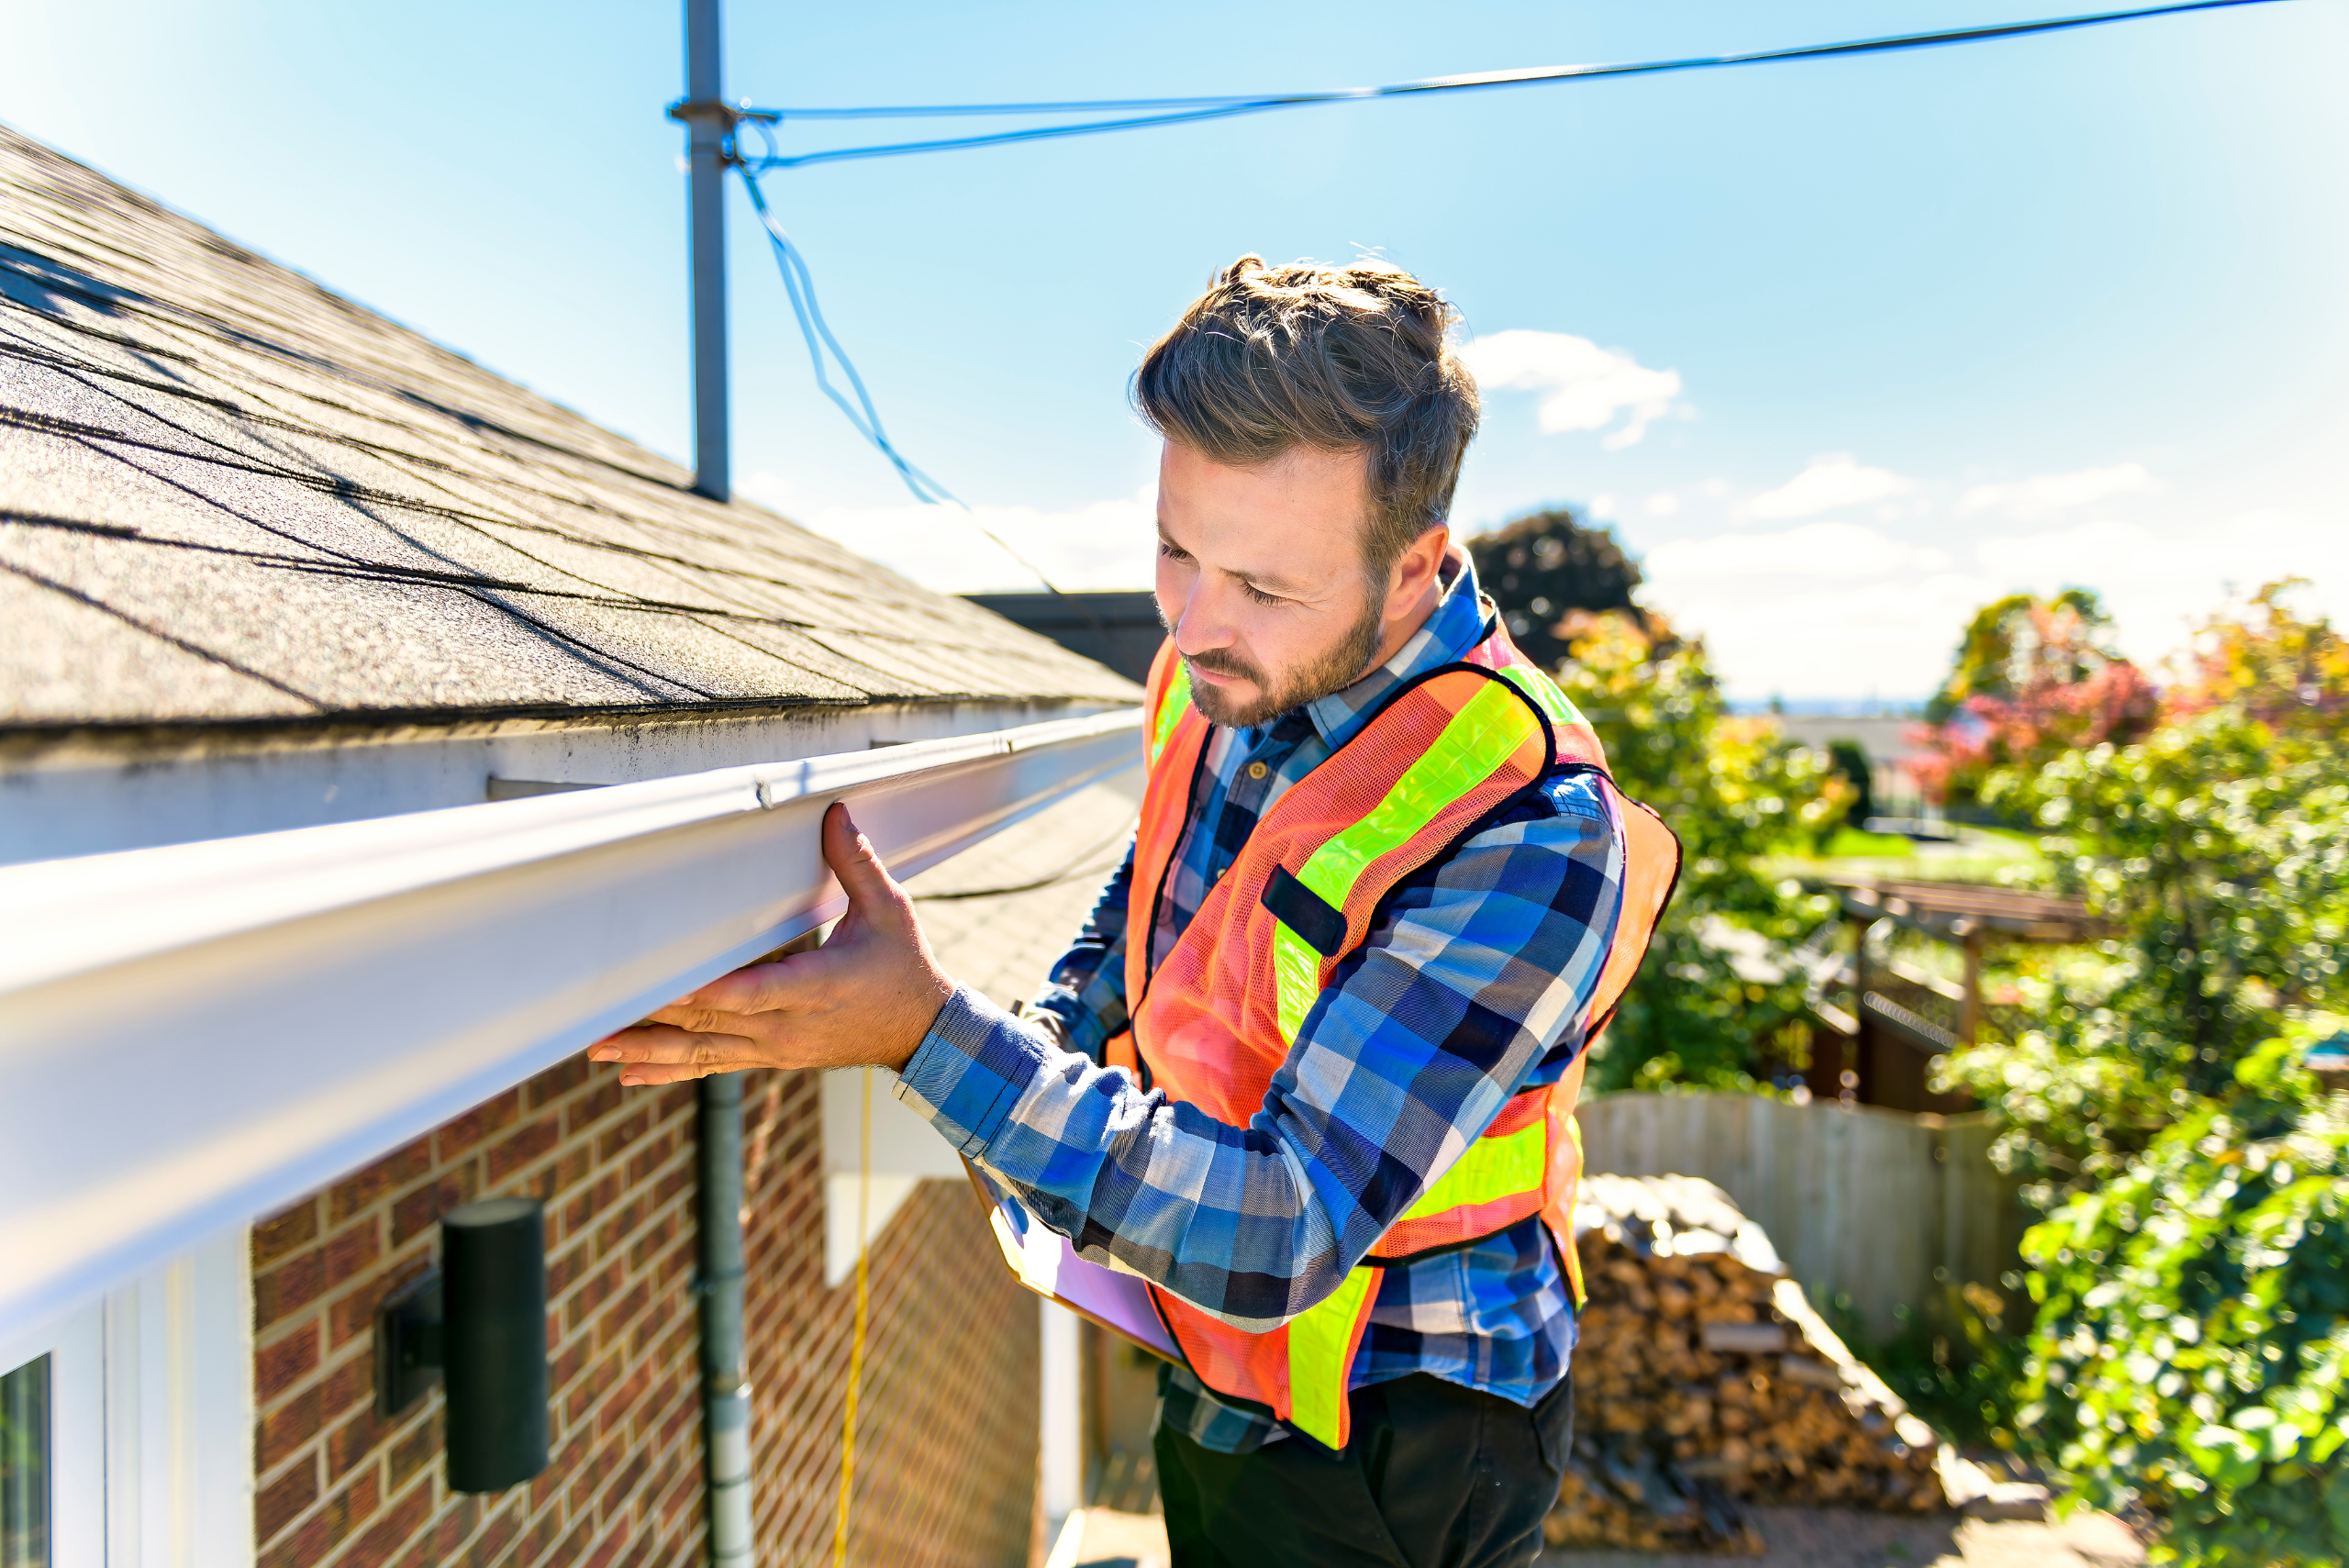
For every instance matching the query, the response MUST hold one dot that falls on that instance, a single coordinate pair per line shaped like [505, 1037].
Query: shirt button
[1257, 770]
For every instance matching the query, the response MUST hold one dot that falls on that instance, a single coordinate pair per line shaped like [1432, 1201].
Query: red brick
[613, 1324]
[556, 1082]
[617, 1403]
[352, 1313]
[352, 1442]
[369, 1188]
[416, 1451]
[613, 1140]
[350, 1384]
[649, 1156]
[318, 1535]
[454, 1138]
[350, 1250]
[501, 1528]
[600, 1101]
[279, 1364]
[414, 1212]
[289, 1287]
[284, 1231]
[530, 1142]
[284, 1428]
[593, 1292]
[388, 1534]
[278, 1503]
[607, 1548]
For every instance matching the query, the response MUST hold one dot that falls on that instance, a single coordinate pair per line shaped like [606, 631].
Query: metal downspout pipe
[726, 1383]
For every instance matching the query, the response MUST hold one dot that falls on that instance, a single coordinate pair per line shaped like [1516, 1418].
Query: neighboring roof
[228, 494]
[1121, 630]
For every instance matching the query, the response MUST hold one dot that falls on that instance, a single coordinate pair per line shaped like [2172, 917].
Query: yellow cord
[856, 1341]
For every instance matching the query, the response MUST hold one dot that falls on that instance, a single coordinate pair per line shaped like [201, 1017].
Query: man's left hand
[866, 998]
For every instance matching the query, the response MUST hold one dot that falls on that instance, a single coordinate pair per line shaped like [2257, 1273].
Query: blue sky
[1843, 347]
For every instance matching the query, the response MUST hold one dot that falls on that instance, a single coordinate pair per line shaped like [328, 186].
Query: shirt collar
[1456, 626]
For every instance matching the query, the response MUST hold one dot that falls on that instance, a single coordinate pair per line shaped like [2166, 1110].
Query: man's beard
[1336, 668]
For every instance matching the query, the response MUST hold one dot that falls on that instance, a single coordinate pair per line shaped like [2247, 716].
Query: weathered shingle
[228, 493]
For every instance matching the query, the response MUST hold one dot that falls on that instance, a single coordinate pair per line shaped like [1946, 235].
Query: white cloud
[1602, 507]
[2050, 493]
[1663, 503]
[1831, 482]
[1107, 544]
[1584, 387]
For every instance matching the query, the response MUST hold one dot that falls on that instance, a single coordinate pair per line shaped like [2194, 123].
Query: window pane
[24, 1466]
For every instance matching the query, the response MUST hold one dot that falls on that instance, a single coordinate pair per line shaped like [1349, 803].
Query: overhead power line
[799, 284]
[1141, 113]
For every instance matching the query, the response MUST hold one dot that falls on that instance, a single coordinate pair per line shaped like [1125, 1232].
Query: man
[1309, 1067]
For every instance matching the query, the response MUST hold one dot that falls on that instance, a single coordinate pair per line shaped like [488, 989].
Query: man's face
[1261, 579]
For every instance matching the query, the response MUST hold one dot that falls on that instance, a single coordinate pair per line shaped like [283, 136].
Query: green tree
[1544, 566]
[1712, 1003]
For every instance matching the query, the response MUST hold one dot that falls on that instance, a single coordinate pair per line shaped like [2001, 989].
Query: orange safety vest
[1218, 1017]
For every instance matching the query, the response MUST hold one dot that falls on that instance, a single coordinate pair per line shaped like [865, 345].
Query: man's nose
[1200, 623]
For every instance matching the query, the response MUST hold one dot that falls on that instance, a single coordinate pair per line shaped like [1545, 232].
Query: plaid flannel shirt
[1475, 983]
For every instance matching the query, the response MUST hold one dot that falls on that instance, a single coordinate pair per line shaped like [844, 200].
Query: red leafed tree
[2033, 678]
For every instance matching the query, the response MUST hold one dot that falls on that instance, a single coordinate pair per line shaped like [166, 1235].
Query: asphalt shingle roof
[227, 494]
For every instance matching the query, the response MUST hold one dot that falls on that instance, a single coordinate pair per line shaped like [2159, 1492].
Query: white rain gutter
[194, 1034]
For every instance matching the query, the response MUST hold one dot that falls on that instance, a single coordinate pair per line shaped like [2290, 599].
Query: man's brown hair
[1338, 359]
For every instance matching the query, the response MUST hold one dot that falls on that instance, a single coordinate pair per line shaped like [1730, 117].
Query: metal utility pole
[709, 120]
[726, 1385]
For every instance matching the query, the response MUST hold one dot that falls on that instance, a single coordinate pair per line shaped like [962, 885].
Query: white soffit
[192, 1034]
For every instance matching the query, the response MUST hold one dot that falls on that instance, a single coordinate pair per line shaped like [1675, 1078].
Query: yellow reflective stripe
[1574, 1251]
[1475, 744]
[1296, 969]
[1545, 693]
[1320, 1355]
[1170, 704]
[1492, 1168]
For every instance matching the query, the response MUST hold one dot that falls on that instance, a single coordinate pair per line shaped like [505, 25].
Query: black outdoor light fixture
[479, 1321]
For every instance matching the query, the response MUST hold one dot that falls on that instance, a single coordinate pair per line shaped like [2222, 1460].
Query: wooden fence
[1887, 1208]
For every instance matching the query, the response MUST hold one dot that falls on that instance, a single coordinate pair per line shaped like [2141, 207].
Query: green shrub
[2192, 1341]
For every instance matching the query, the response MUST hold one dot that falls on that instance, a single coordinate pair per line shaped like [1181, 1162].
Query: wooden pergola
[1884, 1023]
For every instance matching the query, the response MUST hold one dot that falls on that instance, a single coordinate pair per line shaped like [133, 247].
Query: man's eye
[1261, 596]
[1172, 552]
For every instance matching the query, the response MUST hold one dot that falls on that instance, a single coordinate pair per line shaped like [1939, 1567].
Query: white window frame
[150, 1416]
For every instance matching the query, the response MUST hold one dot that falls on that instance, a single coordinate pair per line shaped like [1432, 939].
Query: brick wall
[947, 1427]
[947, 1439]
[616, 1173]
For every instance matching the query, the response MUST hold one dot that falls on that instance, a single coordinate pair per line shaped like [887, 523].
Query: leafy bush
[2192, 1333]
[2218, 847]
[2192, 1343]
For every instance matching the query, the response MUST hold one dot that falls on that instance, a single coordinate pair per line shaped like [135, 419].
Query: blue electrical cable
[1143, 113]
[800, 285]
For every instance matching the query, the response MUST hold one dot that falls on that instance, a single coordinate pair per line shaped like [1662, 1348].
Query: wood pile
[1703, 1381]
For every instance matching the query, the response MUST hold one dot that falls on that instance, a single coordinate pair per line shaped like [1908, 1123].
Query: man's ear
[1417, 569]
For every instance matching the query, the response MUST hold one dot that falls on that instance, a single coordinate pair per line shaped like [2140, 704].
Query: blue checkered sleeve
[1086, 991]
[1476, 981]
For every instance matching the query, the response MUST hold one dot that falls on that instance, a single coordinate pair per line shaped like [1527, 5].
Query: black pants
[1435, 1476]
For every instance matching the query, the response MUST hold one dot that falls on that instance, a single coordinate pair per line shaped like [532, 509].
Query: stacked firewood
[1703, 1380]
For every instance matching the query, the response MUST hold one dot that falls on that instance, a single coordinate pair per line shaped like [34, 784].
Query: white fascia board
[194, 1034]
[94, 792]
